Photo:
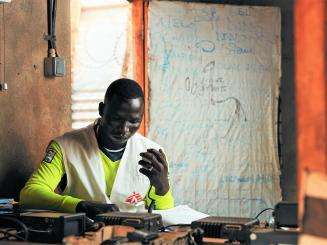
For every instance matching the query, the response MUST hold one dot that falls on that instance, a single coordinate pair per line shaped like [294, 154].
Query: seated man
[104, 163]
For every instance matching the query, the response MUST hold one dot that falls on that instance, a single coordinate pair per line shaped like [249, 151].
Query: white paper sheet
[181, 214]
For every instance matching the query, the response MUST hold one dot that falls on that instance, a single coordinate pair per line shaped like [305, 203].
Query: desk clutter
[6, 205]
[140, 228]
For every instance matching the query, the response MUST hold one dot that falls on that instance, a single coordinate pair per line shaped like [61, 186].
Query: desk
[178, 236]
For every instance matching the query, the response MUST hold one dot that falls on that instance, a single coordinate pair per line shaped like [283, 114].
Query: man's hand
[155, 167]
[93, 208]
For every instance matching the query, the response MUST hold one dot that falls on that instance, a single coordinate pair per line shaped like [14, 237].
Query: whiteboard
[214, 76]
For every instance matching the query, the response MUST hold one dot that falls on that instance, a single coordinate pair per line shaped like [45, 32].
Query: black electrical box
[54, 67]
[47, 226]
[143, 221]
[224, 227]
[285, 214]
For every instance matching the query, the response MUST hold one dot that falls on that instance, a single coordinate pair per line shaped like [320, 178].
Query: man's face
[121, 118]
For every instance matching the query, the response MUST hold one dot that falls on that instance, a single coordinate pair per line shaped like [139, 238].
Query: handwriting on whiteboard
[214, 76]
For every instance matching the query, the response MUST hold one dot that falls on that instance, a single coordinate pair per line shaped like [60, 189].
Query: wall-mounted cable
[53, 64]
[3, 84]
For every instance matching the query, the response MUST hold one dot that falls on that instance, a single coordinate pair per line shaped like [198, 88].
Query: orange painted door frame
[139, 21]
[311, 88]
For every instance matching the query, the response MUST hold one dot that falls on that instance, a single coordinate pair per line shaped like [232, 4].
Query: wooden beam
[146, 78]
[139, 62]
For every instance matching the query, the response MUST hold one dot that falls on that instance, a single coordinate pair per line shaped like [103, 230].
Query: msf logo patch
[135, 198]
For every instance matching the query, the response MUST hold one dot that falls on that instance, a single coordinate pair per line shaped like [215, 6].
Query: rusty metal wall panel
[34, 109]
[311, 89]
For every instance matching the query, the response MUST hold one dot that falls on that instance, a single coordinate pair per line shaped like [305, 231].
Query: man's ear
[101, 108]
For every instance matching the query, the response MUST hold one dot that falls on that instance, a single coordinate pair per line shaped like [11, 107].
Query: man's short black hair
[124, 88]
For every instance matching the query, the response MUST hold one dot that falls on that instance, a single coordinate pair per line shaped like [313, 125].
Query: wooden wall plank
[146, 77]
[311, 88]
[34, 109]
[139, 62]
